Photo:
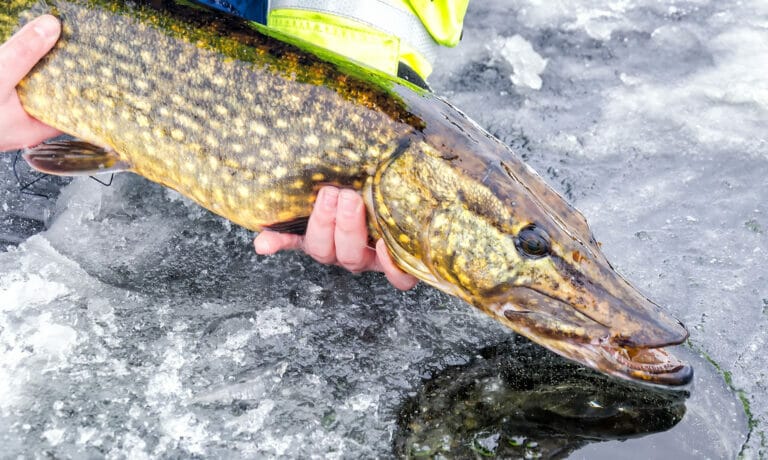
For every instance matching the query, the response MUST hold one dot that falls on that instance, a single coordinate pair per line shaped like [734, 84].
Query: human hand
[337, 234]
[17, 57]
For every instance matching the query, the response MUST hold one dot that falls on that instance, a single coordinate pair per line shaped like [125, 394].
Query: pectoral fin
[297, 226]
[71, 157]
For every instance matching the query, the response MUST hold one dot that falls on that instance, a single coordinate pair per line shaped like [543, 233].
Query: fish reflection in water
[517, 400]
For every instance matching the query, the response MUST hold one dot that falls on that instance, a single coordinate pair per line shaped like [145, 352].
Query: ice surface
[140, 326]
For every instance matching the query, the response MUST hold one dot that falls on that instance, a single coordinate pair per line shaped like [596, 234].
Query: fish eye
[533, 242]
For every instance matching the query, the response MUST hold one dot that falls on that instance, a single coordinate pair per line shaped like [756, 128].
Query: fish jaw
[561, 328]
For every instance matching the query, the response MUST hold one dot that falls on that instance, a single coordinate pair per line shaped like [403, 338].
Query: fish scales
[209, 128]
[250, 126]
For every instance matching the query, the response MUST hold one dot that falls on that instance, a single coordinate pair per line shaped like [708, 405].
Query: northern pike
[250, 124]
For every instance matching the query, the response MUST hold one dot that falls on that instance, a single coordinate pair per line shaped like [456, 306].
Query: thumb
[22, 51]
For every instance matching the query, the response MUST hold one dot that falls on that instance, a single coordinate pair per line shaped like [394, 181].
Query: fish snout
[642, 323]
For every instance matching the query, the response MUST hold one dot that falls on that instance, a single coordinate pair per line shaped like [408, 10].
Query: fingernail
[47, 27]
[329, 196]
[262, 247]
[348, 202]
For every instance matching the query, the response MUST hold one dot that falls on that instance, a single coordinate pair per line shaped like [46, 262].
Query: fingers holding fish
[396, 277]
[17, 57]
[351, 233]
[337, 234]
[318, 241]
[268, 242]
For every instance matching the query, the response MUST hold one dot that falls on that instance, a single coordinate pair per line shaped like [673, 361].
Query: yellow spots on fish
[106, 72]
[212, 141]
[251, 160]
[170, 166]
[281, 123]
[218, 195]
[351, 155]
[91, 79]
[142, 105]
[72, 48]
[204, 180]
[126, 115]
[348, 135]
[265, 153]
[307, 160]
[177, 99]
[123, 81]
[311, 141]
[232, 164]
[258, 128]
[147, 136]
[284, 153]
[439, 220]
[297, 185]
[159, 133]
[63, 119]
[264, 179]
[142, 120]
[243, 191]
[279, 172]
[219, 81]
[221, 110]
[141, 84]
[237, 148]
[318, 177]
[403, 238]
[146, 56]
[190, 167]
[239, 131]
[373, 151]
[120, 48]
[177, 134]
[213, 163]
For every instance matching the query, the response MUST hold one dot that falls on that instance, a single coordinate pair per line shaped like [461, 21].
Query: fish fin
[297, 226]
[72, 157]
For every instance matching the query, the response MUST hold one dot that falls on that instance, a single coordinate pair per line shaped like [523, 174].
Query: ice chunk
[527, 64]
[18, 291]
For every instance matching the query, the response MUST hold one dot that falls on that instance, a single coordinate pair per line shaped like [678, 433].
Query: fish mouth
[650, 365]
[563, 329]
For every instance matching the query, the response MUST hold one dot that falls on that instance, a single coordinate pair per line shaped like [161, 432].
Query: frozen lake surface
[138, 325]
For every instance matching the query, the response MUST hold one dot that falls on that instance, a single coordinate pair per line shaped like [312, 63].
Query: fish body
[250, 126]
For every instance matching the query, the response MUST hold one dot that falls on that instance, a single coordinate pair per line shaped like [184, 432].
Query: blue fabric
[253, 10]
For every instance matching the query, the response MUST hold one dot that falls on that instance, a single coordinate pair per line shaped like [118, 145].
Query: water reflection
[519, 400]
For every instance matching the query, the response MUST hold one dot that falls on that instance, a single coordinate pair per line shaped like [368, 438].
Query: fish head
[467, 216]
